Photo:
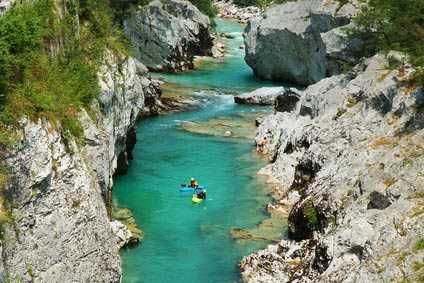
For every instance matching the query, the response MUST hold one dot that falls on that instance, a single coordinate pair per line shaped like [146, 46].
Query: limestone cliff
[58, 189]
[167, 34]
[291, 42]
[348, 157]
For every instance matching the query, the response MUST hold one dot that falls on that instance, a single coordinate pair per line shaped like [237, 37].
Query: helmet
[192, 179]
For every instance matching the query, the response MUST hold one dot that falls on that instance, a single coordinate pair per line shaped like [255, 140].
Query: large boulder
[167, 34]
[285, 43]
[260, 96]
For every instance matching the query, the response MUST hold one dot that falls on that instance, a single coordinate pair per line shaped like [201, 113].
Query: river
[185, 242]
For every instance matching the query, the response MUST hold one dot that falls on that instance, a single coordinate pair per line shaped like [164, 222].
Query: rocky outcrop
[281, 97]
[228, 10]
[167, 34]
[352, 151]
[5, 5]
[342, 49]
[285, 43]
[260, 96]
[59, 188]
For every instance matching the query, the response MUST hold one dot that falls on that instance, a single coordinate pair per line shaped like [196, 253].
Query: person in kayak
[193, 183]
[201, 194]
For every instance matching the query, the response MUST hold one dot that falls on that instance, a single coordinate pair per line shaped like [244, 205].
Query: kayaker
[201, 195]
[193, 183]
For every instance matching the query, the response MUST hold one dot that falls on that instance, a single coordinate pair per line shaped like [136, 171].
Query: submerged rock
[240, 126]
[285, 42]
[167, 34]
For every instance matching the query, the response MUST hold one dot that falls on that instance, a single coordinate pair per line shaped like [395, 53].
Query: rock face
[167, 34]
[352, 149]
[59, 189]
[285, 43]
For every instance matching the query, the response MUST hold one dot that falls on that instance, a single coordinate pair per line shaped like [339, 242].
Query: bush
[205, 6]
[394, 25]
[419, 245]
[50, 64]
[258, 3]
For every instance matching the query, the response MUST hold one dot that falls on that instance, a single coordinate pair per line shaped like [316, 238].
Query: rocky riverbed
[228, 10]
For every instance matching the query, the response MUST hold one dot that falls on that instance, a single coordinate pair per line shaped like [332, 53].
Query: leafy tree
[394, 25]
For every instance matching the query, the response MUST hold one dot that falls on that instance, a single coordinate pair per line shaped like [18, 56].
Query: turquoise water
[230, 73]
[185, 242]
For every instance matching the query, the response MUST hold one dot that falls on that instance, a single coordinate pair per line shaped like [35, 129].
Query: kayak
[185, 188]
[195, 199]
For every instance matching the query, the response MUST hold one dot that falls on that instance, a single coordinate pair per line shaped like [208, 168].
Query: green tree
[394, 25]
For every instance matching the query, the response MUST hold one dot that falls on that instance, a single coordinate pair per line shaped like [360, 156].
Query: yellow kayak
[195, 199]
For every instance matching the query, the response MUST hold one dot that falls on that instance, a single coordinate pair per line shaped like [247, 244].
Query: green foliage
[123, 8]
[310, 213]
[258, 3]
[387, 25]
[50, 63]
[419, 245]
[205, 6]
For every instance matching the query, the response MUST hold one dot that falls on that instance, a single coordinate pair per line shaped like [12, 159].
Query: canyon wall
[347, 159]
[59, 188]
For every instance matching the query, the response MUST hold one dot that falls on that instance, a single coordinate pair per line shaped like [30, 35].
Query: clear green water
[229, 74]
[186, 242]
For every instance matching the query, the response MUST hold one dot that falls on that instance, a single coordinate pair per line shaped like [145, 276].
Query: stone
[285, 43]
[341, 49]
[378, 201]
[260, 96]
[167, 34]
[122, 233]
[287, 101]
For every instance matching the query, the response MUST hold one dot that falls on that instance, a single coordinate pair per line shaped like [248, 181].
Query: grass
[418, 210]
[382, 141]
[389, 182]
[419, 245]
[310, 213]
[418, 267]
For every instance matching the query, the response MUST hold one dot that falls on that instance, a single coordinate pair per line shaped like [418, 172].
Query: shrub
[419, 245]
[394, 25]
[205, 6]
[49, 63]
[258, 3]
